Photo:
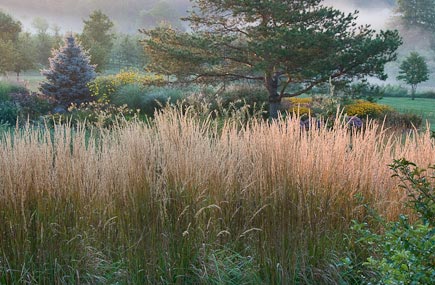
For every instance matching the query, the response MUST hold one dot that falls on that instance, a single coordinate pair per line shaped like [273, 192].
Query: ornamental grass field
[183, 201]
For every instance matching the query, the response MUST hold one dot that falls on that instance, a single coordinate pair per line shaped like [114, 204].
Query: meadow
[182, 200]
[424, 107]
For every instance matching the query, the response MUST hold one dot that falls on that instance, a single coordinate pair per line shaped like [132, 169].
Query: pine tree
[97, 37]
[69, 74]
[281, 43]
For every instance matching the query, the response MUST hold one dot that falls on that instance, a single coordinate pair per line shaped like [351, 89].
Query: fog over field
[129, 15]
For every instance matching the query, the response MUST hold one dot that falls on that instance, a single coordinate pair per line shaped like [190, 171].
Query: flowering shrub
[300, 110]
[363, 108]
[295, 100]
[103, 88]
[298, 106]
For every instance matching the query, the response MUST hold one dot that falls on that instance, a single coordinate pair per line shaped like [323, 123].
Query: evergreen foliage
[280, 43]
[98, 38]
[414, 71]
[127, 52]
[419, 13]
[43, 41]
[69, 74]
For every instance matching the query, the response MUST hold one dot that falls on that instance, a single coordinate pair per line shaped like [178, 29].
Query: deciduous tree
[24, 54]
[414, 71]
[9, 33]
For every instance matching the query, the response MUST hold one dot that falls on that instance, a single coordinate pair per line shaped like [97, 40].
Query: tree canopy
[97, 38]
[279, 42]
[9, 33]
[9, 28]
[414, 71]
[24, 55]
[420, 13]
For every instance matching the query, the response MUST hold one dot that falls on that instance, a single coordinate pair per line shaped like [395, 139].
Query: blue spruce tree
[69, 74]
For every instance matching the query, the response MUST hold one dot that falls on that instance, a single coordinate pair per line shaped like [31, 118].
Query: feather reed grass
[156, 203]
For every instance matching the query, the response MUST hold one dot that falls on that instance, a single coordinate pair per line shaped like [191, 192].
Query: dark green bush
[427, 94]
[402, 120]
[32, 105]
[144, 98]
[402, 92]
[240, 96]
[9, 112]
[394, 91]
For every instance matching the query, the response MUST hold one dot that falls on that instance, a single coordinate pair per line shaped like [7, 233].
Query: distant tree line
[128, 14]
[21, 51]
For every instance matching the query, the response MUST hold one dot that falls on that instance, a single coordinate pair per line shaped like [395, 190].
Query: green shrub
[399, 91]
[402, 252]
[32, 105]
[9, 112]
[6, 88]
[104, 87]
[144, 98]
[394, 91]
[427, 94]
[242, 95]
[402, 120]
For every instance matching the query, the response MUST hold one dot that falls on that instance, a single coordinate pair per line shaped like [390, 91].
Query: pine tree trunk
[271, 82]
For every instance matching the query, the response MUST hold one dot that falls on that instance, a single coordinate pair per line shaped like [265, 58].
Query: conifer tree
[69, 74]
[281, 43]
[97, 38]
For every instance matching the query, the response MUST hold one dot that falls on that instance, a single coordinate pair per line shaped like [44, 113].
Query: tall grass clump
[181, 201]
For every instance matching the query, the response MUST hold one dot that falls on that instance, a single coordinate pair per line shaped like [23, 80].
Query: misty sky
[68, 14]
[130, 15]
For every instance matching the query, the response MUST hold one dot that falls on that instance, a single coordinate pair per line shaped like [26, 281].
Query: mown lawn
[421, 106]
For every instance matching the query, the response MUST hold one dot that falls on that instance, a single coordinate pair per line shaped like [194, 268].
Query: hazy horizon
[126, 15]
